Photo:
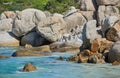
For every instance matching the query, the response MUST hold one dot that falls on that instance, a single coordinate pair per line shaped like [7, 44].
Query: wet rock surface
[34, 51]
[29, 67]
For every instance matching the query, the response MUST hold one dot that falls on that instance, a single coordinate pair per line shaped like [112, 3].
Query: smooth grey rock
[89, 15]
[8, 39]
[106, 11]
[6, 25]
[26, 21]
[74, 20]
[89, 33]
[52, 28]
[88, 5]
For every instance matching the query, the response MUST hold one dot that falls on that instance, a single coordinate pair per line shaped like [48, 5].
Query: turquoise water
[49, 67]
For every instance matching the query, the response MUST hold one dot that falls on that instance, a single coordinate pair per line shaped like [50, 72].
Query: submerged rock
[2, 56]
[96, 59]
[34, 51]
[115, 63]
[64, 47]
[60, 58]
[29, 67]
[71, 59]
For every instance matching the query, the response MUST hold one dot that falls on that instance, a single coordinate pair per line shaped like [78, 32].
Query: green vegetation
[45, 5]
[119, 9]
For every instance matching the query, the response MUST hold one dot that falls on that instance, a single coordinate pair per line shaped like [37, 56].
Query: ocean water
[50, 67]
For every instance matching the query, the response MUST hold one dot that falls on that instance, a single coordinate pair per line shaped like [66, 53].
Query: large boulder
[52, 28]
[113, 33]
[29, 67]
[106, 11]
[107, 2]
[8, 39]
[89, 15]
[74, 19]
[34, 51]
[6, 24]
[88, 5]
[33, 39]
[7, 14]
[114, 54]
[89, 33]
[100, 44]
[107, 23]
[73, 37]
[26, 21]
